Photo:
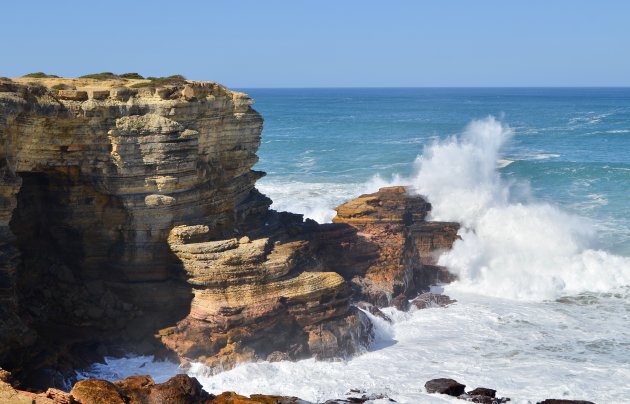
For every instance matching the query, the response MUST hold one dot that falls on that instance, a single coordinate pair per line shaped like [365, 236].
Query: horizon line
[430, 87]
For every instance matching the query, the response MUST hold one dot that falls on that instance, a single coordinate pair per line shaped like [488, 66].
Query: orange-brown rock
[262, 296]
[95, 391]
[394, 249]
[128, 214]
[92, 180]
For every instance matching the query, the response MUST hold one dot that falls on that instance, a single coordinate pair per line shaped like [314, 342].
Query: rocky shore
[182, 389]
[130, 222]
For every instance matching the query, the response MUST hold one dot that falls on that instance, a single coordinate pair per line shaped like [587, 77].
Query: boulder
[95, 391]
[444, 386]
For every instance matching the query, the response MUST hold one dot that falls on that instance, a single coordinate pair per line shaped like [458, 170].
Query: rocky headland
[130, 221]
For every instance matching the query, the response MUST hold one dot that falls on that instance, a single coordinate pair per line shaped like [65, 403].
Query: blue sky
[341, 43]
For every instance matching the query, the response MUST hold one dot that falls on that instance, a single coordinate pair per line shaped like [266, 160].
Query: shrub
[5, 79]
[161, 81]
[62, 86]
[132, 76]
[40, 75]
[101, 76]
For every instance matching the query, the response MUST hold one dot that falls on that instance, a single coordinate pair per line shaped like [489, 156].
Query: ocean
[540, 179]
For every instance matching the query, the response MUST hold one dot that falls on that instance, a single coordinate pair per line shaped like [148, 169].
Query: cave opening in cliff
[71, 282]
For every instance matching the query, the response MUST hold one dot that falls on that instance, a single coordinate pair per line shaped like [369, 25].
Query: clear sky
[325, 43]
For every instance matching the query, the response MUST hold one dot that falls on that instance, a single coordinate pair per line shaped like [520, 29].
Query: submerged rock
[558, 401]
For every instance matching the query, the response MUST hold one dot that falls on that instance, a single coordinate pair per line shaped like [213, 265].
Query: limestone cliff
[130, 216]
[93, 180]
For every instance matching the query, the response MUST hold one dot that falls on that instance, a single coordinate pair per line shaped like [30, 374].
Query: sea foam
[511, 245]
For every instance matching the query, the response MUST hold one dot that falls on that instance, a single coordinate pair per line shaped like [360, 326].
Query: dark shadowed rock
[556, 401]
[445, 386]
[482, 391]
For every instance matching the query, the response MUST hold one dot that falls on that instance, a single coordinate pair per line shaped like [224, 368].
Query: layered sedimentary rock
[92, 183]
[284, 290]
[129, 215]
[395, 249]
[263, 296]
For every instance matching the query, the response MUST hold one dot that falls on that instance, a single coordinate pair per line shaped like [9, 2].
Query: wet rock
[278, 356]
[482, 391]
[401, 302]
[363, 398]
[394, 249]
[372, 309]
[428, 300]
[445, 386]
[557, 401]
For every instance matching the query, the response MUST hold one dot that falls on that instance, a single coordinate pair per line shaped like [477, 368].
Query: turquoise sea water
[571, 145]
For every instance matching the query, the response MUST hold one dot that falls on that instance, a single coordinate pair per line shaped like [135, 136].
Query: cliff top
[107, 85]
[102, 80]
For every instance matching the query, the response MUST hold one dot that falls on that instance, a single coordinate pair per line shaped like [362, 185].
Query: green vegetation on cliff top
[161, 81]
[40, 75]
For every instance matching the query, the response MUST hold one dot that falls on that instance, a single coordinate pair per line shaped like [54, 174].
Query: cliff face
[93, 180]
[131, 216]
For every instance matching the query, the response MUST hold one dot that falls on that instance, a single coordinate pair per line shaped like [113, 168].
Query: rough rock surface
[395, 250]
[129, 214]
[89, 191]
[427, 300]
[262, 297]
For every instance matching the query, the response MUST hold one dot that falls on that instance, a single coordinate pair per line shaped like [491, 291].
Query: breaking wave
[511, 245]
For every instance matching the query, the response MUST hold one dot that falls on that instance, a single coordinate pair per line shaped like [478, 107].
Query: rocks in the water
[401, 302]
[358, 396]
[428, 300]
[453, 388]
[559, 401]
[372, 309]
[483, 391]
[395, 249]
[445, 386]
